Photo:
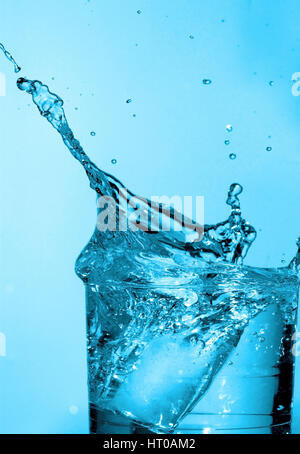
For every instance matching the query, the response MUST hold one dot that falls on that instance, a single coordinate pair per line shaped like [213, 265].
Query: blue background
[95, 55]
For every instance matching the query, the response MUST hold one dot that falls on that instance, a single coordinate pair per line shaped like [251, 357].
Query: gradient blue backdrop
[96, 54]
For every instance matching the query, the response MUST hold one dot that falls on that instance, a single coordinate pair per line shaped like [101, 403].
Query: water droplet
[191, 36]
[128, 101]
[139, 11]
[206, 81]
[269, 148]
[227, 142]
[235, 189]
[232, 156]
[93, 133]
[113, 161]
[229, 128]
[73, 409]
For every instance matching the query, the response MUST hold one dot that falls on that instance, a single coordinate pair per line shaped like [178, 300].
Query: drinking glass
[214, 355]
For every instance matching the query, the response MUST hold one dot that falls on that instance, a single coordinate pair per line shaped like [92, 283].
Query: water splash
[226, 241]
[51, 107]
[10, 58]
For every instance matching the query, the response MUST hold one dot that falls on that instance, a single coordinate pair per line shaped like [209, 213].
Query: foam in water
[165, 309]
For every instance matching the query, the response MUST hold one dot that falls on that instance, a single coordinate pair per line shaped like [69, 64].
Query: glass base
[106, 422]
[233, 424]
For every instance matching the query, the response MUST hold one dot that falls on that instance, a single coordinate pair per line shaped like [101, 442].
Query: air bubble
[113, 161]
[190, 298]
[232, 156]
[92, 133]
[128, 101]
[229, 128]
[227, 142]
[195, 339]
[269, 148]
[192, 37]
[206, 81]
